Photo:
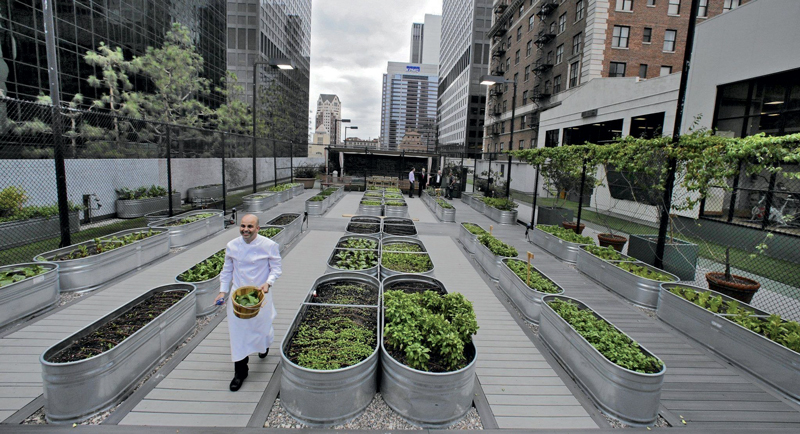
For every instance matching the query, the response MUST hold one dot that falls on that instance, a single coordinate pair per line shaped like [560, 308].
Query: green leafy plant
[496, 246]
[191, 219]
[428, 329]
[269, 232]
[395, 203]
[402, 247]
[249, 299]
[537, 280]
[406, 262]
[610, 342]
[358, 243]
[443, 203]
[355, 259]
[333, 338]
[307, 171]
[317, 198]
[645, 272]
[501, 203]
[566, 234]
[18, 274]
[474, 229]
[104, 244]
[281, 187]
[12, 199]
[371, 202]
[607, 253]
[206, 269]
[141, 192]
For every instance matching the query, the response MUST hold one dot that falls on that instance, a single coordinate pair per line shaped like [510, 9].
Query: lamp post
[275, 63]
[345, 134]
[490, 80]
[341, 121]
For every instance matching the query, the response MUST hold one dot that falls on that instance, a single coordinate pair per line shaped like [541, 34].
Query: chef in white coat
[252, 260]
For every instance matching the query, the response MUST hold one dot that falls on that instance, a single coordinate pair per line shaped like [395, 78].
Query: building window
[642, 71]
[516, 58]
[551, 139]
[620, 37]
[521, 142]
[547, 86]
[522, 9]
[527, 72]
[647, 35]
[665, 70]
[529, 49]
[505, 106]
[550, 57]
[651, 2]
[557, 84]
[559, 53]
[562, 22]
[669, 40]
[579, 10]
[702, 9]
[728, 5]
[531, 20]
[625, 5]
[508, 64]
[519, 33]
[616, 69]
[674, 7]
[553, 27]
[577, 40]
[524, 96]
[573, 74]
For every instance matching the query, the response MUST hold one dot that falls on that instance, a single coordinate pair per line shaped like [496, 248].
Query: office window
[551, 138]
[642, 71]
[674, 7]
[562, 22]
[519, 33]
[527, 72]
[665, 70]
[579, 7]
[522, 9]
[516, 58]
[647, 35]
[529, 49]
[573, 74]
[651, 2]
[559, 53]
[557, 84]
[577, 40]
[616, 69]
[547, 86]
[702, 8]
[531, 20]
[669, 40]
[620, 37]
[625, 5]
[550, 57]
[508, 64]
[553, 27]
[524, 96]
[728, 5]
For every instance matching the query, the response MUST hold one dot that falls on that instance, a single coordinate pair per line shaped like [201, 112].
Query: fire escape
[497, 67]
[543, 64]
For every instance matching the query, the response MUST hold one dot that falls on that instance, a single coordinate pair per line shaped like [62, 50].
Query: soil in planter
[363, 228]
[346, 292]
[115, 331]
[333, 337]
[365, 220]
[283, 220]
[414, 287]
[398, 221]
[399, 230]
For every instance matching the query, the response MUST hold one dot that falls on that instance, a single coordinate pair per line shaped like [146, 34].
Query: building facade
[261, 30]
[408, 103]
[417, 33]
[355, 142]
[551, 46]
[329, 113]
[463, 59]
[81, 26]
[425, 38]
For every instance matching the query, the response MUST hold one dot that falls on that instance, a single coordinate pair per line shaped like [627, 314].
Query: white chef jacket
[251, 264]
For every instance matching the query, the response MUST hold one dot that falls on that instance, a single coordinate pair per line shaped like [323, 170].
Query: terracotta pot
[741, 288]
[571, 226]
[615, 241]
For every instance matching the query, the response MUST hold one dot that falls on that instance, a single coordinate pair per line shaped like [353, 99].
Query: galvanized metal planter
[466, 198]
[632, 397]
[161, 215]
[564, 250]
[332, 268]
[298, 188]
[20, 299]
[291, 230]
[395, 211]
[374, 210]
[209, 192]
[467, 238]
[76, 390]
[447, 215]
[552, 215]
[500, 216]
[259, 202]
[186, 234]
[638, 290]
[680, 257]
[21, 232]
[527, 299]
[84, 274]
[428, 399]
[386, 272]
[284, 195]
[399, 230]
[281, 237]
[316, 207]
[364, 227]
[133, 208]
[326, 398]
[206, 292]
[771, 362]
[478, 205]
[490, 262]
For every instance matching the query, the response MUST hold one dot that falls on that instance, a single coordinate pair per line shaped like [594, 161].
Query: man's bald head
[249, 227]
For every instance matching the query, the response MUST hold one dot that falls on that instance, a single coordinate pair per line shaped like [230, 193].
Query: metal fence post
[275, 160]
[291, 161]
[169, 171]
[768, 204]
[734, 191]
[535, 195]
[580, 197]
[224, 191]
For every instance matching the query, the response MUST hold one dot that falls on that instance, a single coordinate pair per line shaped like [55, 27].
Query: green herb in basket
[249, 299]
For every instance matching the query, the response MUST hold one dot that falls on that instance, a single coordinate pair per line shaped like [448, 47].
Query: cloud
[351, 43]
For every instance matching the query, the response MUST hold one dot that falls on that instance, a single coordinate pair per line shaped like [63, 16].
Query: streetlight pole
[345, 134]
[275, 64]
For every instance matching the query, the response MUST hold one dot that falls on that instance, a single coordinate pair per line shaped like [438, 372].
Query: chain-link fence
[116, 173]
[752, 221]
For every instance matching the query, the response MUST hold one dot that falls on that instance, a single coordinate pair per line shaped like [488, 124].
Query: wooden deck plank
[184, 407]
[168, 419]
[553, 423]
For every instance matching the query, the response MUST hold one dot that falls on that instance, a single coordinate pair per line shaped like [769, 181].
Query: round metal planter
[447, 215]
[527, 299]
[478, 205]
[632, 397]
[323, 398]
[490, 262]
[638, 290]
[259, 202]
[374, 210]
[350, 276]
[291, 230]
[395, 211]
[771, 362]
[28, 296]
[387, 241]
[133, 208]
[186, 234]
[283, 195]
[76, 390]
[393, 230]
[206, 291]
[467, 238]
[316, 207]
[500, 216]
[85, 274]
[342, 240]
[564, 250]
[364, 225]
[297, 189]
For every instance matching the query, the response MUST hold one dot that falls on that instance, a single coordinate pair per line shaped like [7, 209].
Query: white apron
[252, 335]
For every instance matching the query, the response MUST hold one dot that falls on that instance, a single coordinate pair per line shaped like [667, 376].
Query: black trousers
[411, 190]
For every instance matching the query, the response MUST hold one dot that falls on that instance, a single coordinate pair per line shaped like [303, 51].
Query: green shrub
[496, 246]
[141, 192]
[474, 229]
[537, 281]
[11, 200]
[503, 204]
[566, 234]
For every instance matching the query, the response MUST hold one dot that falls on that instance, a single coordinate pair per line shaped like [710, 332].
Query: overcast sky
[351, 43]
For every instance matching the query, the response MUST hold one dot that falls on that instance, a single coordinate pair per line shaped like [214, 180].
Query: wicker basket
[246, 312]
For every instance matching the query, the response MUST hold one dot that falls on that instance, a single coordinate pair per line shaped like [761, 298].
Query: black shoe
[264, 354]
[236, 383]
[240, 373]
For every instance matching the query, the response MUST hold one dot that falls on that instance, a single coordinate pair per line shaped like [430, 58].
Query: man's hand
[220, 296]
[265, 288]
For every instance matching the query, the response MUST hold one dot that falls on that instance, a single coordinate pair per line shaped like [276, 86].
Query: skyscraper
[417, 30]
[425, 40]
[329, 113]
[464, 58]
[408, 103]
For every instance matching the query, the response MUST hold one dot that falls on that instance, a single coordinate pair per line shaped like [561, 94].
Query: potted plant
[738, 287]
[133, 203]
[306, 174]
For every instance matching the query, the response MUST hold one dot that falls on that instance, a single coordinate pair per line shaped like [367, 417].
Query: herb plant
[496, 246]
[566, 234]
[443, 203]
[333, 337]
[249, 299]
[537, 281]
[358, 243]
[644, 272]
[607, 253]
[395, 203]
[18, 274]
[191, 219]
[474, 229]
[141, 192]
[371, 202]
[269, 232]
[406, 262]
[503, 204]
[610, 342]
[402, 247]
[207, 269]
[354, 259]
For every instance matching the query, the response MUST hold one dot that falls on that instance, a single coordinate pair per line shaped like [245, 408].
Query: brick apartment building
[549, 46]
